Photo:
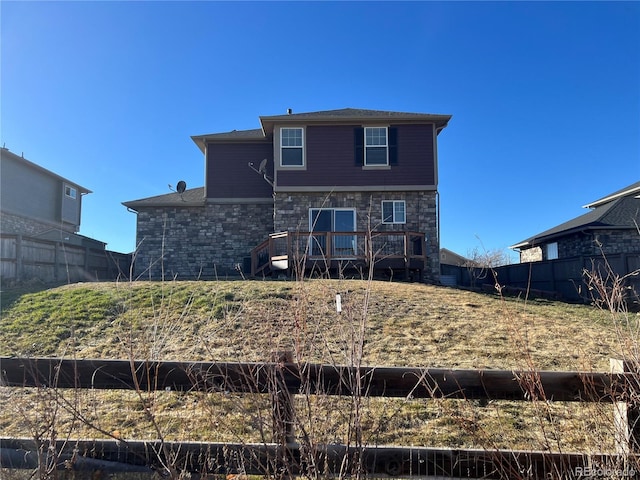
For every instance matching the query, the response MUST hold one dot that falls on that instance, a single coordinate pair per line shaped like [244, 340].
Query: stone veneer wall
[16, 224]
[292, 214]
[199, 242]
[602, 241]
[589, 244]
[531, 255]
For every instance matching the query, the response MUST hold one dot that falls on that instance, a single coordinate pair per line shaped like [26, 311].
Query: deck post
[406, 256]
[626, 414]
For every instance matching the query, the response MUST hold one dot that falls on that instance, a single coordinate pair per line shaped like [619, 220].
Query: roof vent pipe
[289, 111]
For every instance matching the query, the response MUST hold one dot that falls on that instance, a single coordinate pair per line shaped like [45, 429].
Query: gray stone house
[338, 188]
[610, 227]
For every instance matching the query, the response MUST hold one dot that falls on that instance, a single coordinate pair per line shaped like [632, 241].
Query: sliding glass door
[333, 220]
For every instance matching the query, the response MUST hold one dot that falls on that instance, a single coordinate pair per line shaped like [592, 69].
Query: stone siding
[19, 225]
[602, 241]
[609, 242]
[292, 214]
[199, 242]
[531, 255]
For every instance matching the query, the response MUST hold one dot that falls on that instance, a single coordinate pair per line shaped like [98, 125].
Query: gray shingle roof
[345, 115]
[622, 212]
[349, 113]
[232, 136]
[5, 152]
[192, 197]
[630, 190]
[338, 116]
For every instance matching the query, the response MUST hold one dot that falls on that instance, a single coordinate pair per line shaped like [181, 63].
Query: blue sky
[545, 96]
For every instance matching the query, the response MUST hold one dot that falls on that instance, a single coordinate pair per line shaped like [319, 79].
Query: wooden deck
[329, 252]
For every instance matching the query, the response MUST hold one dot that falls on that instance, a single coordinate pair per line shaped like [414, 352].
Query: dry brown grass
[406, 325]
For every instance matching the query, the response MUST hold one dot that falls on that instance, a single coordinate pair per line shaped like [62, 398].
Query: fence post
[283, 414]
[56, 261]
[19, 268]
[626, 414]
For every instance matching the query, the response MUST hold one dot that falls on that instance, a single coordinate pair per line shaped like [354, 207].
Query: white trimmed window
[291, 147]
[552, 251]
[394, 211]
[376, 150]
[70, 192]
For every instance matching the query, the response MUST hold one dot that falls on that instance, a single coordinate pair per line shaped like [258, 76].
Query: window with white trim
[552, 251]
[70, 192]
[394, 211]
[291, 147]
[375, 146]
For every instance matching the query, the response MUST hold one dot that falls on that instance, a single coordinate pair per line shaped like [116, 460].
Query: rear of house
[339, 174]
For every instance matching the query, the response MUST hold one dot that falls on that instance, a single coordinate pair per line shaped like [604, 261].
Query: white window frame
[394, 220]
[347, 243]
[552, 250]
[301, 147]
[367, 146]
[70, 191]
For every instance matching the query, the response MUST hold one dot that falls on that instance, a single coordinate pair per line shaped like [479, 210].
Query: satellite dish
[263, 166]
[181, 187]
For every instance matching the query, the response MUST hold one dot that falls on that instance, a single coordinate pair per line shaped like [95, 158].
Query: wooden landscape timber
[201, 459]
[288, 456]
[250, 377]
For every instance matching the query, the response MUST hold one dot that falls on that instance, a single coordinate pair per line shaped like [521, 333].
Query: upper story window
[552, 251]
[291, 147]
[70, 192]
[394, 211]
[375, 146]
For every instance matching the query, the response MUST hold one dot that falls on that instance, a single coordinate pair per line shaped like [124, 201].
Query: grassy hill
[395, 323]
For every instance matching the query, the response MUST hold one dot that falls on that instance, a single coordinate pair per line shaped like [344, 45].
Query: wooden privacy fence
[286, 455]
[24, 258]
[562, 278]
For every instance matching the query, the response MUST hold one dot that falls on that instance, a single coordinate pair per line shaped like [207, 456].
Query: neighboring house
[39, 222]
[340, 174]
[447, 257]
[38, 203]
[611, 227]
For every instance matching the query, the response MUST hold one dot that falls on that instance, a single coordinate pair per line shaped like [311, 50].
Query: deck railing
[283, 250]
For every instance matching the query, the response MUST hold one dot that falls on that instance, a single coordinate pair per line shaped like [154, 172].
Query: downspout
[435, 144]
[438, 220]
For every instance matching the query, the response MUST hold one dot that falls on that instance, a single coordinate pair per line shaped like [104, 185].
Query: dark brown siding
[331, 161]
[228, 172]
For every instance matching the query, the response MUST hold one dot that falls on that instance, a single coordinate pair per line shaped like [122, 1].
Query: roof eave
[629, 191]
[537, 241]
[138, 204]
[37, 167]
[202, 140]
[268, 123]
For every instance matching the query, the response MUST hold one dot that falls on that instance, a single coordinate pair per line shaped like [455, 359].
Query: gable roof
[634, 188]
[348, 115]
[193, 197]
[8, 154]
[255, 134]
[619, 210]
[344, 116]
